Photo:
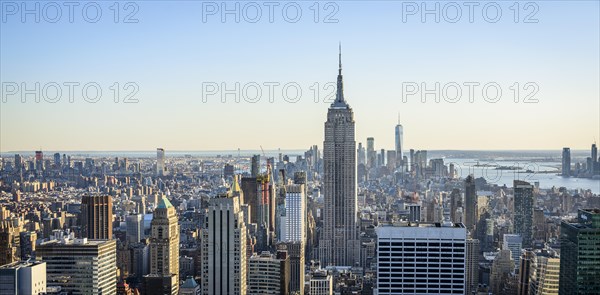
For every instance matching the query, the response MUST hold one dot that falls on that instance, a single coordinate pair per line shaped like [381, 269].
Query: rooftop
[164, 203]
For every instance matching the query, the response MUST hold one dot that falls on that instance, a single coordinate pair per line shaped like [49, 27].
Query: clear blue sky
[171, 52]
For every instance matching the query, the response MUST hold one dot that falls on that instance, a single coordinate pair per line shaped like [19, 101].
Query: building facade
[580, 254]
[164, 243]
[523, 211]
[224, 248]
[421, 258]
[80, 266]
[96, 217]
[23, 278]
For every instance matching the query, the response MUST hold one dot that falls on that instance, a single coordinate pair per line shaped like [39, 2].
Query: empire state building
[339, 244]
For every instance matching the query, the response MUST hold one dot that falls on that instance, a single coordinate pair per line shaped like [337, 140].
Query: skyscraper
[96, 217]
[472, 266]
[294, 234]
[514, 243]
[57, 159]
[160, 162]
[339, 244]
[18, 162]
[295, 252]
[255, 166]
[414, 258]
[580, 254]
[594, 165]
[23, 278]
[523, 211]
[361, 157]
[224, 248]
[455, 203]
[471, 208]
[544, 272]
[295, 214]
[399, 142]
[39, 162]
[566, 162]
[164, 244]
[80, 266]
[371, 154]
[135, 227]
[268, 274]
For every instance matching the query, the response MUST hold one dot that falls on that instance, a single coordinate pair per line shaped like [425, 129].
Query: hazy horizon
[547, 60]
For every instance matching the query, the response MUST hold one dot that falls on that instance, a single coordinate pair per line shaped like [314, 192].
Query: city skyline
[170, 112]
[196, 147]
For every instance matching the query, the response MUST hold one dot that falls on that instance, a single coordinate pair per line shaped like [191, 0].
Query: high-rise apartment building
[523, 211]
[566, 162]
[422, 258]
[339, 244]
[294, 223]
[160, 162]
[96, 217]
[580, 254]
[471, 207]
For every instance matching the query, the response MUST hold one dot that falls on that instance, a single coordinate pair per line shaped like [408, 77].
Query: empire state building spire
[339, 99]
[340, 243]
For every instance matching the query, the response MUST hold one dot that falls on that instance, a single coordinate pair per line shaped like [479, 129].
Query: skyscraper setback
[339, 244]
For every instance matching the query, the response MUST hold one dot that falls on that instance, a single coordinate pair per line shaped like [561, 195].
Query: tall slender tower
[523, 211]
[399, 142]
[566, 162]
[339, 244]
[164, 245]
[160, 162]
[224, 247]
[471, 207]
